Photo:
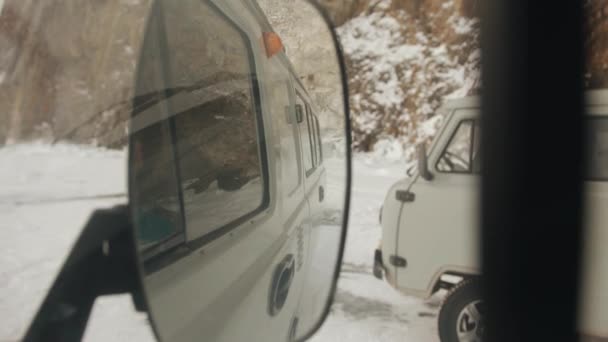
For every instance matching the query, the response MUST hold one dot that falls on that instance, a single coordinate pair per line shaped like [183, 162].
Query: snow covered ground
[41, 184]
[365, 308]
[47, 195]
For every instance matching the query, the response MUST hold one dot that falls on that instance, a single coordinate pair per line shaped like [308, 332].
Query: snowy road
[366, 309]
[34, 244]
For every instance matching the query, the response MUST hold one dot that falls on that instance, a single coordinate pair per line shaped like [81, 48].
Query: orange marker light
[273, 43]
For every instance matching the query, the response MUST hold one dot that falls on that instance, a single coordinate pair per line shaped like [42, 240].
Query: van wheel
[461, 315]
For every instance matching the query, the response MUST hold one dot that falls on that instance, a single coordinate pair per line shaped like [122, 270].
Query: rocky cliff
[74, 84]
[404, 58]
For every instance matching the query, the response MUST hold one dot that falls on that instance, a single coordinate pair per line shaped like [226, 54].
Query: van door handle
[321, 193]
[280, 284]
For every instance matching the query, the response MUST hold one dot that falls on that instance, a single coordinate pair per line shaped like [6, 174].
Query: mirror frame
[348, 153]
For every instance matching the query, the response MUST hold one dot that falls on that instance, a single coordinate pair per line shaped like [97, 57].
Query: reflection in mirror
[238, 170]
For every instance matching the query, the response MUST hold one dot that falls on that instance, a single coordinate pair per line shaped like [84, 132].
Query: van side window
[307, 152]
[461, 153]
[597, 133]
[312, 136]
[476, 157]
[319, 145]
[153, 176]
[218, 126]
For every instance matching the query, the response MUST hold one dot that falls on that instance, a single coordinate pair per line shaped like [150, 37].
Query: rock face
[77, 85]
[68, 84]
[404, 58]
[340, 11]
[596, 44]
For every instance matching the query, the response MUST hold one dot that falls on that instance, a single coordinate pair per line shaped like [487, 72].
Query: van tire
[461, 296]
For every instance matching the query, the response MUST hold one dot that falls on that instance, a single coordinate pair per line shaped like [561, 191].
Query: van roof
[593, 98]
[464, 102]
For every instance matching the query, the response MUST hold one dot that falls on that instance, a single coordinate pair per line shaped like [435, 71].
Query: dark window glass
[218, 127]
[476, 153]
[457, 155]
[155, 199]
[307, 152]
[319, 144]
[312, 136]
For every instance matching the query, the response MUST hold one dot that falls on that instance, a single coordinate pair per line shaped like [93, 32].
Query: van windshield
[598, 149]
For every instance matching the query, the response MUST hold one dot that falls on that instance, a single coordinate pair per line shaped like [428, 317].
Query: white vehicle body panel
[437, 232]
[453, 211]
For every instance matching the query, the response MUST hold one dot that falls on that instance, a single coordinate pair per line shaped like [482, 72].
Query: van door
[293, 205]
[276, 296]
[438, 221]
[316, 234]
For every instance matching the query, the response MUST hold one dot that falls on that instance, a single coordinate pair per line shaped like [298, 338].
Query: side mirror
[221, 154]
[423, 167]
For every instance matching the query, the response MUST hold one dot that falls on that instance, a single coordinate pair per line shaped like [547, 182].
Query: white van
[430, 224]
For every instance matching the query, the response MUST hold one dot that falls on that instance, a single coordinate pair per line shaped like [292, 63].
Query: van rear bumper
[379, 268]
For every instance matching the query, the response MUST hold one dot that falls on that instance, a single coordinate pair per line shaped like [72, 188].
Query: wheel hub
[470, 323]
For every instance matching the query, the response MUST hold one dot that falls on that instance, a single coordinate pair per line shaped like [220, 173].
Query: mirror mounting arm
[427, 175]
[423, 168]
[102, 262]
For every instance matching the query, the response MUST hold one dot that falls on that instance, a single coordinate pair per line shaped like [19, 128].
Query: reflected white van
[430, 224]
[229, 191]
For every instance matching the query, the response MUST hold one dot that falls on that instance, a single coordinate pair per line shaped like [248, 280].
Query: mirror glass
[238, 169]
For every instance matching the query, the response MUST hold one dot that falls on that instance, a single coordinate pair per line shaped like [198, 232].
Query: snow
[462, 25]
[462, 91]
[49, 192]
[390, 149]
[365, 308]
[372, 39]
[402, 71]
[43, 173]
[430, 126]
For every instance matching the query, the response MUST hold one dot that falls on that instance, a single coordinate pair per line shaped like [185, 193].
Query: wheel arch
[438, 283]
